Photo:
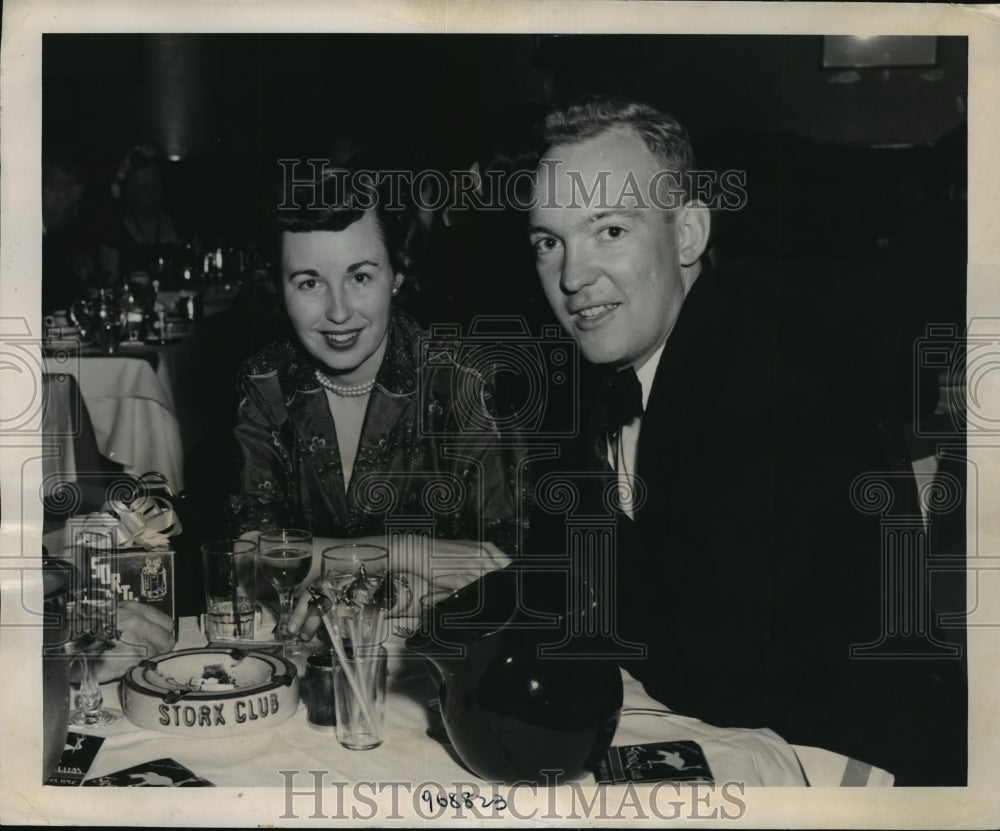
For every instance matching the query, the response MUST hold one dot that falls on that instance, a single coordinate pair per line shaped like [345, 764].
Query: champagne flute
[93, 615]
[285, 559]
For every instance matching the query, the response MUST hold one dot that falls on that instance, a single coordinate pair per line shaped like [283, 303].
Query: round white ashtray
[210, 692]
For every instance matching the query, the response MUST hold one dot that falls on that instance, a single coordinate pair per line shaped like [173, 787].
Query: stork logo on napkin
[681, 761]
[161, 773]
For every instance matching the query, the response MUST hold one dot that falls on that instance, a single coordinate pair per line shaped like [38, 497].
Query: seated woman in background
[143, 231]
[345, 422]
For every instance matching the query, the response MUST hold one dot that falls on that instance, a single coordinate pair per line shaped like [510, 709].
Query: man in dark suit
[749, 563]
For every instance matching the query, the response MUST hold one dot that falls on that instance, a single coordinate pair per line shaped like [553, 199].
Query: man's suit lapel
[676, 396]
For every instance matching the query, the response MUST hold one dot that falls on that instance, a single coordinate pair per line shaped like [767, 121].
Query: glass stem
[285, 613]
[90, 698]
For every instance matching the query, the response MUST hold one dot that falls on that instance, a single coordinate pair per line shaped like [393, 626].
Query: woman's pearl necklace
[347, 391]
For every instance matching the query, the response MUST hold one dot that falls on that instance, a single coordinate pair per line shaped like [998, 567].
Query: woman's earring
[395, 291]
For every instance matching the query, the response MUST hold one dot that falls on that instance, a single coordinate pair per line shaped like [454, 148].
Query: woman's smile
[342, 340]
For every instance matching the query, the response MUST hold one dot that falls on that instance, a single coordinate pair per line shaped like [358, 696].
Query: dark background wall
[866, 165]
[212, 93]
[838, 161]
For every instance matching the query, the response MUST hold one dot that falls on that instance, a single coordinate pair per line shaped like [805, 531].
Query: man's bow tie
[624, 397]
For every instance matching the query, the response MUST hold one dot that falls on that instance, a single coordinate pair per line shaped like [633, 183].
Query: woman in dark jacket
[359, 424]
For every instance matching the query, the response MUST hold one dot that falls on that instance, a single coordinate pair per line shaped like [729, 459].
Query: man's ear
[694, 222]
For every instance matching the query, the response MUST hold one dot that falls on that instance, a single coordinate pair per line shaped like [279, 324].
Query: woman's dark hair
[317, 196]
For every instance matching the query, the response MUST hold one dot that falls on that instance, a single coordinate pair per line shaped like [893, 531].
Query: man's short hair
[663, 134]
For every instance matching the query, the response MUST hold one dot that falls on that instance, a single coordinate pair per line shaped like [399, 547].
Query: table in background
[132, 408]
[176, 366]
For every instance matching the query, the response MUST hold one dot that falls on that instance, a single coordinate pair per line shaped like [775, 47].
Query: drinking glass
[93, 615]
[285, 558]
[356, 577]
[230, 589]
[354, 563]
[316, 689]
[359, 697]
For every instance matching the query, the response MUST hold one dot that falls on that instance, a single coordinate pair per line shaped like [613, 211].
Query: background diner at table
[291, 365]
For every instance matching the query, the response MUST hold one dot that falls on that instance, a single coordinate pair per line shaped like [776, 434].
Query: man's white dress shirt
[622, 452]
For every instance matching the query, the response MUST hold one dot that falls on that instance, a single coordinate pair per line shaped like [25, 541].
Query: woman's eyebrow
[303, 272]
[360, 263]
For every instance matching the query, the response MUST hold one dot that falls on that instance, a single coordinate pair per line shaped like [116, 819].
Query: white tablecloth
[754, 757]
[132, 408]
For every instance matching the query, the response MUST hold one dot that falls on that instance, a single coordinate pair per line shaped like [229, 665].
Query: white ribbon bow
[146, 522]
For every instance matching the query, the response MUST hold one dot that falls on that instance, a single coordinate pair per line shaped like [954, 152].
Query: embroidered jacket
[429, 456]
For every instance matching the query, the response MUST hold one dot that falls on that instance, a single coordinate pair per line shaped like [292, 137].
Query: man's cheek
[550, 285]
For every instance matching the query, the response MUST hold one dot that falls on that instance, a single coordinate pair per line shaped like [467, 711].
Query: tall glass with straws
[358, 594]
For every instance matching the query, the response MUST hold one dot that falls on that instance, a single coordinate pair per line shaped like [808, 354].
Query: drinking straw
[333, 630]
[381, 625]
[355, 635]
[234, 588]
[359, 643]
[386, 592]
[231, 535]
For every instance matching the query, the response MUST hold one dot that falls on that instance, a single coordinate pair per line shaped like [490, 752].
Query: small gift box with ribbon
[126, 546]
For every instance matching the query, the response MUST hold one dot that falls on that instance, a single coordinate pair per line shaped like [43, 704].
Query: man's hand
[145, 632]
